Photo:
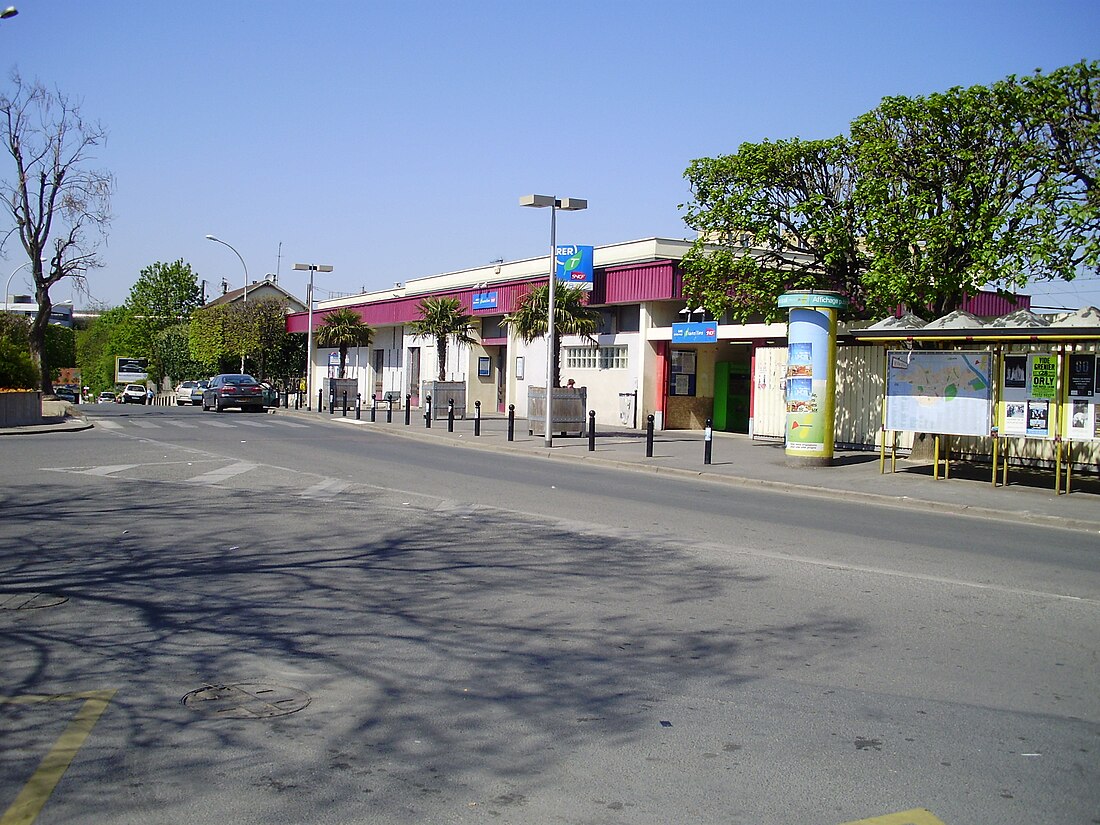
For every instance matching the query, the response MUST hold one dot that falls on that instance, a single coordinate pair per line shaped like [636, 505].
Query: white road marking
[106, 424]
[282, 423]
[255, 424]
[223, 473]
[325, 489]
[147, 425]
[182, 424]
[107, 469]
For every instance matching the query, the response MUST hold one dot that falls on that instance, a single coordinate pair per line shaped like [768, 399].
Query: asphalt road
[488, 638]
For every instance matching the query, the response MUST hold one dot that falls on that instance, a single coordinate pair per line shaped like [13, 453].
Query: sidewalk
[738, 460]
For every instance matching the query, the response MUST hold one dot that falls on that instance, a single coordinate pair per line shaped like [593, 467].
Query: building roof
[262, 289]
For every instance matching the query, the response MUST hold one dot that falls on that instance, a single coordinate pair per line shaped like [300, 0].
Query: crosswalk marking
[107, 424]
[282, 423]
[223, 473]
[255, 424]
[182, 424]
[325, 489]
[146, 425]
[220, 424]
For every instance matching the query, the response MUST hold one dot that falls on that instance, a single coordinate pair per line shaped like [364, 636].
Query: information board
[948, 392]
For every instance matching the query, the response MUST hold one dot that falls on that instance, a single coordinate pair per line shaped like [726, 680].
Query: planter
[20, 408]
[442, 392]
[570, 409]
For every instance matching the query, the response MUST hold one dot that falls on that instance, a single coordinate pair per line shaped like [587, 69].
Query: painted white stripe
[182, 424]
[223, 473]
[282, 423]
[220, 424]
[106, 424]
[255, 424]
[325, 489]
[146, 425]
[107, 469]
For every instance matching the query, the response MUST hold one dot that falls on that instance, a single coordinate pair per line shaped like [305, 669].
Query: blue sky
[394, 139]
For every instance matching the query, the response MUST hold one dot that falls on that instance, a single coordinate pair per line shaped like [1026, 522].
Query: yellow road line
[916, 816]
[26, 807]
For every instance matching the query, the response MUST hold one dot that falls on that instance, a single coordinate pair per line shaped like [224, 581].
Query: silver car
[190, 392]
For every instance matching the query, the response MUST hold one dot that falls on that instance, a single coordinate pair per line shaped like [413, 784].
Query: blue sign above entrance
[485, 300]
[697, 332]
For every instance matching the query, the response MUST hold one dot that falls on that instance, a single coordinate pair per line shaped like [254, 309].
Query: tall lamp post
[7, 288]
[238, 254]
[568, 205]
[309, 331]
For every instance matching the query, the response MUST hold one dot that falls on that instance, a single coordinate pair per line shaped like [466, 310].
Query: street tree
[774, 216]
[443, 320]
[59, 205]
[572, 316]
[978, 185]
[164, 295]
[343, 328]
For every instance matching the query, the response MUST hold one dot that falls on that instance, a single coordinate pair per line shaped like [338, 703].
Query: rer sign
[573, 265]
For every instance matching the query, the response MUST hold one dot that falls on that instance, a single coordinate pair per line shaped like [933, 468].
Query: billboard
[131, 369]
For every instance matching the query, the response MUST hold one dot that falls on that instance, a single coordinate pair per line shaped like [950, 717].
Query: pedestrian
[570, 384]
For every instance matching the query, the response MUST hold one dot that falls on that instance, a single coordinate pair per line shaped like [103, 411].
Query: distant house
[258, 290]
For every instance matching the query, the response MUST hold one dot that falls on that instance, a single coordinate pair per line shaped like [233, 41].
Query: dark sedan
[233, 390]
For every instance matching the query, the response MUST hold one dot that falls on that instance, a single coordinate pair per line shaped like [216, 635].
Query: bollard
[320, 400]
[373, 404]
[707, 436]
[297, 399]
[649, 436]
[451, 416]
[511, 422]
[389, 409]
[345, 403]
[477, 418]
[408, 408]
[358, 406]
[428, 411]
[591, 431]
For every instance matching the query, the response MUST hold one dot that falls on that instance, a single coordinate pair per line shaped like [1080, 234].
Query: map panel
[946, 392]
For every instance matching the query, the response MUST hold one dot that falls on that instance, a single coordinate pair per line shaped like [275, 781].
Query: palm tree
[443, 319]
[572, 316]
[344, 328]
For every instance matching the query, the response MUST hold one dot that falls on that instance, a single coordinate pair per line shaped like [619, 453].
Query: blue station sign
[695, 332]
[485, 300]
[573, 265]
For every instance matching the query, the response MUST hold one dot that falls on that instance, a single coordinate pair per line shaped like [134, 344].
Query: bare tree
[60, 207]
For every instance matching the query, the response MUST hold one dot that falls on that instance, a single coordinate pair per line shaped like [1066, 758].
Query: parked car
[189, 392]
[67, 394]
[233, 390]
[106, 397]
[135, 394]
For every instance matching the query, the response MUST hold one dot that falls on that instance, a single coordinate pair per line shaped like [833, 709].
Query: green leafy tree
[343, 328]
[206, 335]
[17, 369]
[59, 206]
[60, 347]
[572, 316]
[99, 344]
[164, 296]
[977, 185]
[774, 216]
[172, 355]
[443, 319]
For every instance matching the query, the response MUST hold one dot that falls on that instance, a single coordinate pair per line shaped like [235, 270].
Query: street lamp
[568, 205]
[7, 288]
[8, 13]
[238, 254]
[309, 331]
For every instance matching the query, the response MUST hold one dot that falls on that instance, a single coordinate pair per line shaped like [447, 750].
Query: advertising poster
[1044, 375]
[1082, 375]
[1038, 418]
[807, 371]
[1015, 418]
[1081, 419]
[1015, 372]
[939, 391]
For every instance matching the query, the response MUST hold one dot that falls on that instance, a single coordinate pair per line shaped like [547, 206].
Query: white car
[106, 397]
[135, 394]
[189, 392]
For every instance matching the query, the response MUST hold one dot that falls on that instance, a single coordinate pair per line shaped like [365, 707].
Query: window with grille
[596, 358]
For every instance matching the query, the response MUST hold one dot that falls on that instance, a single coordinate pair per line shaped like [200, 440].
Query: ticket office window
[681, 373]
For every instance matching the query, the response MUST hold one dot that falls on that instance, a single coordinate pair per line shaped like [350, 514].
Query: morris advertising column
[811, 375]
